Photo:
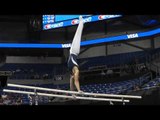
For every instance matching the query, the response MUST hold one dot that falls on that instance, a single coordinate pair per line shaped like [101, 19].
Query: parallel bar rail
[65, 96]
[73, 92]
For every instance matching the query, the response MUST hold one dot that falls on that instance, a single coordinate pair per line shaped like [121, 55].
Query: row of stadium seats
[118, 59]
[152, 83]
[33, 71]
[114, 60]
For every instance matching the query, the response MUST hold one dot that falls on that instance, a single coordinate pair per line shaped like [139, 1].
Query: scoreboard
[57, 21]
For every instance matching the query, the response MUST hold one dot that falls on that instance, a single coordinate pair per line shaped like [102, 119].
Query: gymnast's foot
[81, 18]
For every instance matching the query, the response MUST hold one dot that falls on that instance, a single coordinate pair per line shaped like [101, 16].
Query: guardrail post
[111, 103]
[36, 97]
[123, 101]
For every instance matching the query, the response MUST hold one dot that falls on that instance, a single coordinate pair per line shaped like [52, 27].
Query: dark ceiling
[141, 20]
[14, 18]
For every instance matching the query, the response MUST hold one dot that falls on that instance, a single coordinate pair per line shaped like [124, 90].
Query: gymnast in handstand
[72, 61]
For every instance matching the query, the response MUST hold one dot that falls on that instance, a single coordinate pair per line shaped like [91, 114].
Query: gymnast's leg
[75, 47]
[72, 83]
